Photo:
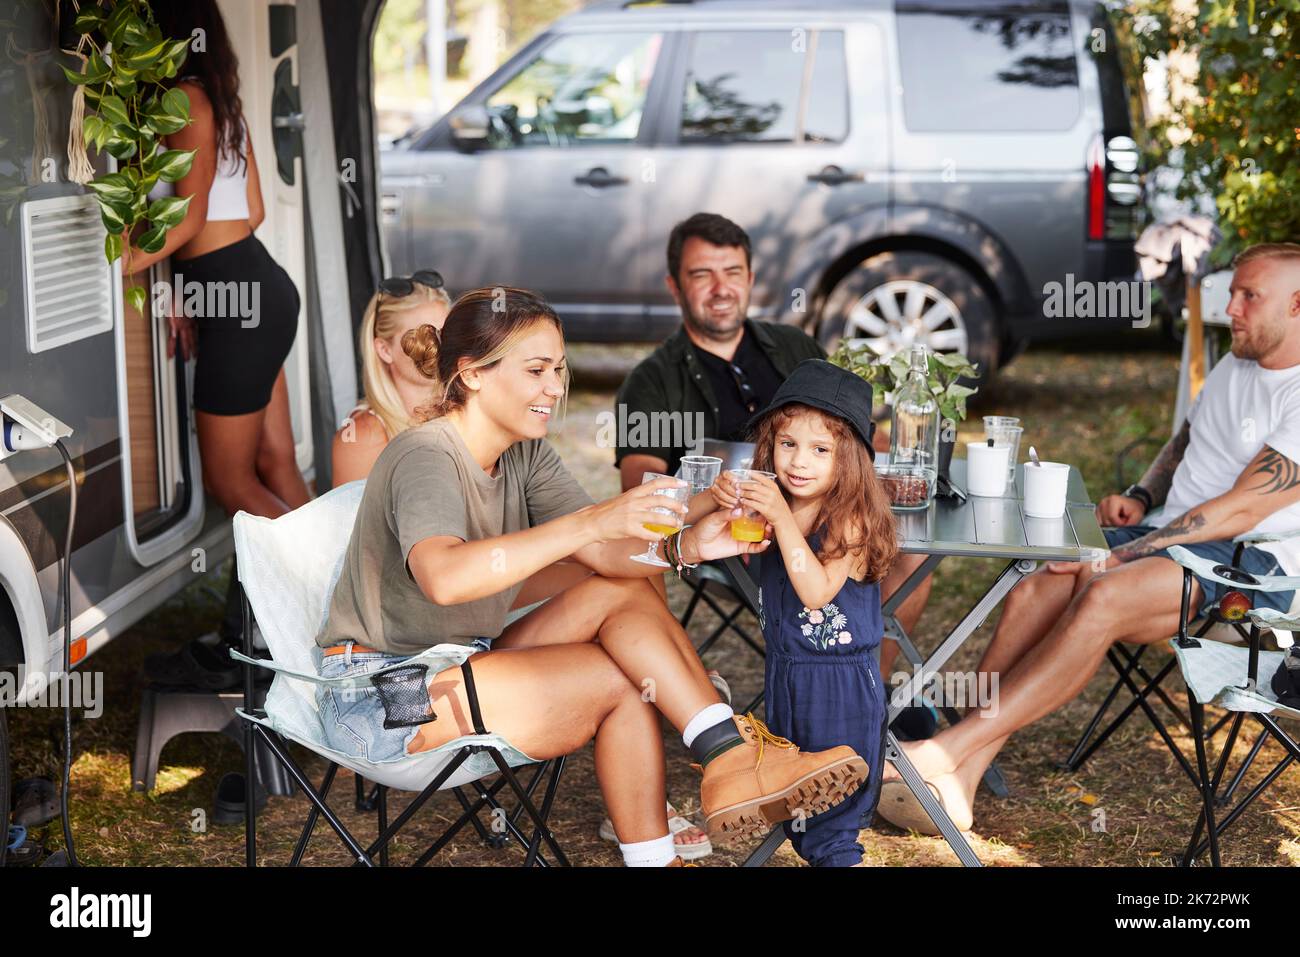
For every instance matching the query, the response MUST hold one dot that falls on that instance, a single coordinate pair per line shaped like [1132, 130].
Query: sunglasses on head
[405, 285]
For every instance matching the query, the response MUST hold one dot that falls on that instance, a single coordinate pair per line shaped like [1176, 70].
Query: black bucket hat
[817, 383]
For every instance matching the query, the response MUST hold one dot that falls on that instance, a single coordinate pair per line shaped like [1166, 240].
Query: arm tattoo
[1160, 476]
[1276, 472]
[1153, 542]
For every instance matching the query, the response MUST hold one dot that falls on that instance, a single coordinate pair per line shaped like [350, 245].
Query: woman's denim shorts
[353, 718]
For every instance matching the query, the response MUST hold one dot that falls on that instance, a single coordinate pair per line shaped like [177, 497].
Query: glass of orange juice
[669, 525]
[749, 527]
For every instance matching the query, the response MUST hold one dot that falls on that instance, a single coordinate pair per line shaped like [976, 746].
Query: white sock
[706, 718]
[656, 853]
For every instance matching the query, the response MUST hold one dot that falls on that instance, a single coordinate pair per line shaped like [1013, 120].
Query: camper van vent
[69, 285]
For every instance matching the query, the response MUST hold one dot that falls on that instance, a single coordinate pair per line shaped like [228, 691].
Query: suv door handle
[834, 176]
[599, 177]
[390, 206]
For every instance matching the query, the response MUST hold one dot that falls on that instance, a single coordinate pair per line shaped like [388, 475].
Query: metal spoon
[1033, 456]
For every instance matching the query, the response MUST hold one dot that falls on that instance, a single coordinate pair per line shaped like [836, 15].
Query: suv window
[582, 88]
[766, 86]
[989, 69]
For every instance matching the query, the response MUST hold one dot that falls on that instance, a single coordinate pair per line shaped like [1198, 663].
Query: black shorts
[246, 308]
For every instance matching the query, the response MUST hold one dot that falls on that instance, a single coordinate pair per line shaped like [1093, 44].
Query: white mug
[1045, 486]
[986, 468]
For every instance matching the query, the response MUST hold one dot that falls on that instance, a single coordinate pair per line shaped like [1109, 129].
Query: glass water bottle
[914, 431]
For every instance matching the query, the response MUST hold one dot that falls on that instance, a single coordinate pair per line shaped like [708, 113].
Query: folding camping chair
[1128, 663]
[288, 568]
[1229, 677]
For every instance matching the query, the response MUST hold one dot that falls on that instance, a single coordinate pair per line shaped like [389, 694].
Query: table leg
[1007, 580]
[993, 778]
[910, 585]
[955, 838]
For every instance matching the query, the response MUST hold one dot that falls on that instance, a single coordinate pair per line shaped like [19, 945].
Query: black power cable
[65, 593]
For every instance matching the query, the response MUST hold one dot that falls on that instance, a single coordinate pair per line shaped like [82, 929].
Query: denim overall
[824, 688]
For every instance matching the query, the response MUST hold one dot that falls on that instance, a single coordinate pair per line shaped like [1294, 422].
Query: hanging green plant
[122, 81]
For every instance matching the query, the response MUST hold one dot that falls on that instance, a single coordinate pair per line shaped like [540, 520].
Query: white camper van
[70, 349]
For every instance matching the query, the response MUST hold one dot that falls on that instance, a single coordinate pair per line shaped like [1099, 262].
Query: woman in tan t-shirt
[603, 658]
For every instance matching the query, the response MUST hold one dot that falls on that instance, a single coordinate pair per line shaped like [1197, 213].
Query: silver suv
[907, 170]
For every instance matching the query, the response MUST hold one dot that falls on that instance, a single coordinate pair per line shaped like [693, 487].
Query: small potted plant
[944, 373]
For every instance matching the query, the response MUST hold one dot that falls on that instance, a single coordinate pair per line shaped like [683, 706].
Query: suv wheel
[895, 299]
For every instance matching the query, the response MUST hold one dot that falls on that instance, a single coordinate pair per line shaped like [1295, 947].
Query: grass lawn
[1081, 407]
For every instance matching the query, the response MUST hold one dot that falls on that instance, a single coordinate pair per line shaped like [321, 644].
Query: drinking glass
[671, 523]
[700, 470]
[1005, 430]
[751, 525]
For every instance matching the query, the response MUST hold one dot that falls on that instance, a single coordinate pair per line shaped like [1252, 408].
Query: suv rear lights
[1114, 188]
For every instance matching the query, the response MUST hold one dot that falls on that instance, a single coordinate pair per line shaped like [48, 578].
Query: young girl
[820, 597]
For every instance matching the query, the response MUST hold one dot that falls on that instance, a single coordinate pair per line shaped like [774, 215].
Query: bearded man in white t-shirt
[1233, 468]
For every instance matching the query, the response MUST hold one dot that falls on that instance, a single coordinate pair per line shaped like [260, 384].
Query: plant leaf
[91, 127]
[97, 70]
[113, 246]
[176, 103]
[179, 50]
[113, 110]
[113, 222]
[171, 165]
[958, 391]
[153, 239]
[164, 124]
[169, 210]
[134, 32]
[88, 19]
[76, 79]
[136, 297]
[141, 58]
[113, 186]
[120, 147]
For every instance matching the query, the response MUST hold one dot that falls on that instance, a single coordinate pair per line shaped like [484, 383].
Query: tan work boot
[767, 780]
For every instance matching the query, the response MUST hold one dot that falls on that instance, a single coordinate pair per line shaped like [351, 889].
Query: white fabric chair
[1130, 668]
[288, 568]
[1239, 681]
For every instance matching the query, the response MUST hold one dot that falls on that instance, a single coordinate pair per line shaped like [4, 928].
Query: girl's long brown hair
[854, 515]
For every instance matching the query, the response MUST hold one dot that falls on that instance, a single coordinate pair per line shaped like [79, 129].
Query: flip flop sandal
[720, 683]
[21, 849]
[36, 802]
[194, 665]
[676, 824]
[899, 806]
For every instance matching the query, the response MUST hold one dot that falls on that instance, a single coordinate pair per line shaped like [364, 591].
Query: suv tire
[912, 285]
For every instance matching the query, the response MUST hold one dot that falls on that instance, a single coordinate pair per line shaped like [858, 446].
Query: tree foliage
[1239, 115]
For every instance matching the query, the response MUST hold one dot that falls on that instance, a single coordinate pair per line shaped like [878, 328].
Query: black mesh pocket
[405, 696]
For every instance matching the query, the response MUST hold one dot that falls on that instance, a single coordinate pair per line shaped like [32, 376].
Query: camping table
[976, 528]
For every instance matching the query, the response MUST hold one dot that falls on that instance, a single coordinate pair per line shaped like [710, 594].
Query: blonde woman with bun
[392, 385]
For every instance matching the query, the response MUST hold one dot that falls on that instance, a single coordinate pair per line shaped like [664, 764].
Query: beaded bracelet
[671, 546]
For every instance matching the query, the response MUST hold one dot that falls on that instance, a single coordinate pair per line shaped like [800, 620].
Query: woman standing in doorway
[241, 401]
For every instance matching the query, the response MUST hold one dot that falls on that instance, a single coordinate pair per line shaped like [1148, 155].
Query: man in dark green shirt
[709, 378]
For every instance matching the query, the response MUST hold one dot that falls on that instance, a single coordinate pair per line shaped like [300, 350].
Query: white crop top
[228, 198]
